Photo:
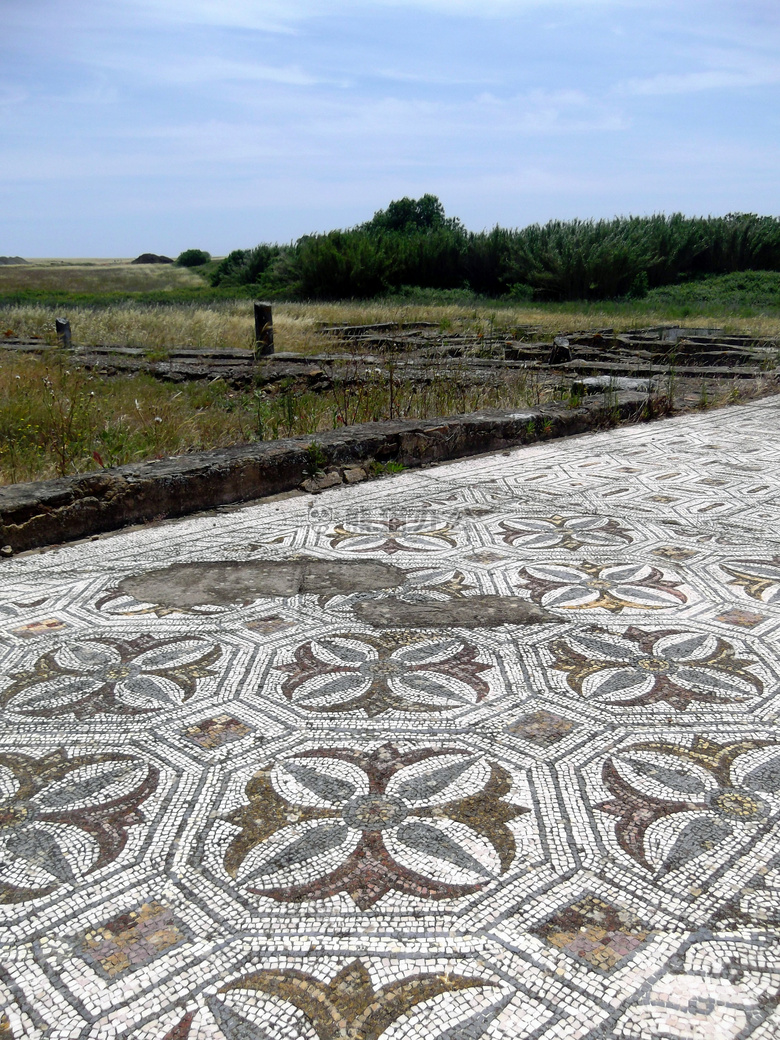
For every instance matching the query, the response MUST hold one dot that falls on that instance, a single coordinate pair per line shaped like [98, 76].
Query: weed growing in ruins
[316, 459]
[384, 469]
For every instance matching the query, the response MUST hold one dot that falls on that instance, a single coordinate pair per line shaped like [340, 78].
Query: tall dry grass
[56, 419]
[230, 323]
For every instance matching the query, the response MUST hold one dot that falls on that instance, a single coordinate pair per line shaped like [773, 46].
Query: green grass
[56, 420]
[743, 292]
[174, 297]
[96, 277]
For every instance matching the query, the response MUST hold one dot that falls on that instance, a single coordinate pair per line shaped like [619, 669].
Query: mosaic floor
[486, 751]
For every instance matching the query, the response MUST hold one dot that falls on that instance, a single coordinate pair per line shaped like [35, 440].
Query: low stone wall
[53, 511]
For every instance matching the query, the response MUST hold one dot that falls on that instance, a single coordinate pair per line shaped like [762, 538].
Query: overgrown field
[58, 419]
[229, 322]
[96, 278]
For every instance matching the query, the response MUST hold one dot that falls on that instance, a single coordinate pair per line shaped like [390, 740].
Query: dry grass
[135, 325]
[229, 323]
[54, 420]
[550, 320]
[97, 277]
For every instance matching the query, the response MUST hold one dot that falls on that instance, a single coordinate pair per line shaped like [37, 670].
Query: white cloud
[184, 70]
[711, 79]
[322, 132]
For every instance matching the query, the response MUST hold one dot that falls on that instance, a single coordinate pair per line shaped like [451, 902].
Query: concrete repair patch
[224, 583]
[473, 612]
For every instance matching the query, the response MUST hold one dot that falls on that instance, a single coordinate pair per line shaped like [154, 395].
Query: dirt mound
[12, 260]
[151, 258]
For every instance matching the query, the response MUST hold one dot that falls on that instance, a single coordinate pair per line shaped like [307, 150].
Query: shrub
[413, 243]
[245, 266]
[193, 258]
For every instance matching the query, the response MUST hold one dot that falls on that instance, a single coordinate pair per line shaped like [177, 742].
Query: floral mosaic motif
[392, 536]
[349, 1007]
[759, 578]
[132, 939]
[713, 989]
[598, 933]
[561, 532]
[106, 676]
[641, 668]
[453, 586]
[590, 586]
[396, 671]
[428, 823]
[756, 903]
[63, 818]
[674, 803]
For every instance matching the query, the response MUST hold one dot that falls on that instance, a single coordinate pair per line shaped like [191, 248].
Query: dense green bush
[413, 243]
[193, 258]
[244, 266]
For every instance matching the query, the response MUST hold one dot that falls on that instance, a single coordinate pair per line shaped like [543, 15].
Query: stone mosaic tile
[596, 932]
[233, 808]
[132, 939]
[214, 732]
[542, 727]
[39, 628]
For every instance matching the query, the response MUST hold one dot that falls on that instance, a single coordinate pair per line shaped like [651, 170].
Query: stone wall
[54, 511]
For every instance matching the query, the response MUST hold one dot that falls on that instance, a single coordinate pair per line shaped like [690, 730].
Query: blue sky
[160, 125]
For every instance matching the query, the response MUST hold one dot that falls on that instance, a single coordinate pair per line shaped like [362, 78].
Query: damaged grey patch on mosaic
[471, 612]
[227, 583]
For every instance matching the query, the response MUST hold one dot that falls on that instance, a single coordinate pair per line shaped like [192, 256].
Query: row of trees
[413, 243]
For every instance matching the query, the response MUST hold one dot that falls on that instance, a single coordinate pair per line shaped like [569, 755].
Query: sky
[131, 126]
